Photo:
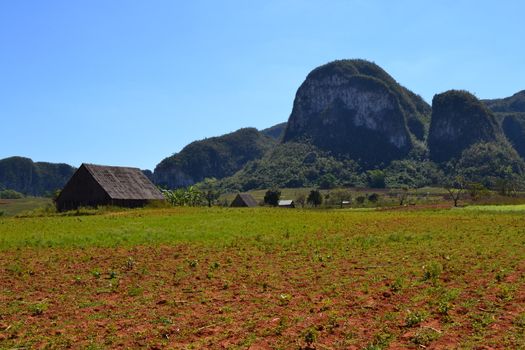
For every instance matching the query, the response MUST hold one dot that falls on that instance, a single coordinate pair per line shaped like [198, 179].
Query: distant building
[93, 185]
[345, 203]
[286, 203]
[243, 200]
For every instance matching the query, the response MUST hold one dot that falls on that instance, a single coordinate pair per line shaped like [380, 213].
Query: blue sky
[130, 82]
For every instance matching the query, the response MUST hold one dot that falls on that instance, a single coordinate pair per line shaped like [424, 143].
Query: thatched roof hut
[243, 200]
[94, 185]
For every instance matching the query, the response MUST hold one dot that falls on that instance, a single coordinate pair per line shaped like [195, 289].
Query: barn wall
[129, 203]
[81, 190]
[238, 202]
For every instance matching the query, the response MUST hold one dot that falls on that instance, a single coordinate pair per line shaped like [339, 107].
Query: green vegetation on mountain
[294, 165]
[459, 120]
[489, 164]
[514, 103]
[33, 178]
[215, 157]
[513, 125]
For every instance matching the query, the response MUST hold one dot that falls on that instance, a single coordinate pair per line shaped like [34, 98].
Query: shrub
[376, 178]
[414, 318]
[271, 197]
[10, 194]
[374, 197]
[315, 198]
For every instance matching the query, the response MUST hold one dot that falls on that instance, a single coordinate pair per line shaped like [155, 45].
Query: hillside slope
[510, 112]
[459, 120]
[213, 157]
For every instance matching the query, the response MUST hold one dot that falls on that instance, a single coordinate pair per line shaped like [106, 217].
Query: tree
[403, 195]
[182, 197]
[300, 200]
[476, 190]
[209, 187]
[376, 178]
[373, 198]
[455, 188]
[10, 194]
[315, 198]
[327, 181]
[271, 197]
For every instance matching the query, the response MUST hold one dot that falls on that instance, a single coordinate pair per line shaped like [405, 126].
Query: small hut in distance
[286, 203]
[93, 185]
[243, 200]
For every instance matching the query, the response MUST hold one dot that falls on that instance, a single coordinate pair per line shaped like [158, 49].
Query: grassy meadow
[12, 207]
[264, 278]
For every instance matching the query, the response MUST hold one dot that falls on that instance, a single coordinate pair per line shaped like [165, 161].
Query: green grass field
[264, 278]
[12, 207]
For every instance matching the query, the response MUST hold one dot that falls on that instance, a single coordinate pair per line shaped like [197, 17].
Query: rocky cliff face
[459, 120]
[510, 112]
[353, 108]
[513, 125]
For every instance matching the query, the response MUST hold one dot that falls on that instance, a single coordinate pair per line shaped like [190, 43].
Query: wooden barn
[93, 185]
[244, 200]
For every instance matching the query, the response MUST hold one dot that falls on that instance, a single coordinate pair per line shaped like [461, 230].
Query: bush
[327, 181]
[190, 196]
[376, 178]
[10, 194]
[271, 197]
[374, 197]
[315, 198]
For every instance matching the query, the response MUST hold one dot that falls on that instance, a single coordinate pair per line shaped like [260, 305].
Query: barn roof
[123, 182]
[285, 202]
[247, 199]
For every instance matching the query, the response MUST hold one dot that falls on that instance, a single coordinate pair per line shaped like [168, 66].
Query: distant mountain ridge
[349, 116]
[350, 121]
[216, 157]
[276, 132]
[510, 112]
[514, 103]
[33, 178]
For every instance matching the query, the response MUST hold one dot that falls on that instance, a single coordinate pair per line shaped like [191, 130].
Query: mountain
[33, 178]
[353, 108]
[514, 103]
[276, 132]
[510, 112]
[459, 120]
[513, 125]
[216, 157]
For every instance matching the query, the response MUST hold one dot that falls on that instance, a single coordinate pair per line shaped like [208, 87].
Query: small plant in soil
[425, 336]
[192, 263]
[37, 309]
[432, 271]
[309, 337]
[414, 318]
